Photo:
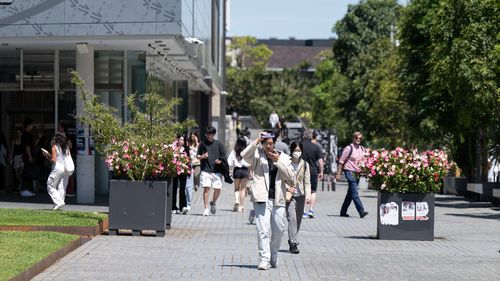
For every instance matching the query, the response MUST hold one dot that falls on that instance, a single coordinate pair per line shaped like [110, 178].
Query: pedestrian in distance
[16, 159]
[274, 120]
[210, 153]
[31, 172]
[179, 183]
[313, 155]
[240, 174]
[273, 174]
[297, 196]
[58, 177]
[349, 164]
[280, 145]
[194, 143]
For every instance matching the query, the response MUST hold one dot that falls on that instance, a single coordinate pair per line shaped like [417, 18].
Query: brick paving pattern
[224, 247]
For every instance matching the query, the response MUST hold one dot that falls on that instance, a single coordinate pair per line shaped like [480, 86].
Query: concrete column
[85, 163]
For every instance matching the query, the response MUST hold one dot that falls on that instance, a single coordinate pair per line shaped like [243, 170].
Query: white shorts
[212, 180]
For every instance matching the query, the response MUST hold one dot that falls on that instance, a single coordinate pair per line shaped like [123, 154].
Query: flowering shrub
[405, 171]
[128, 160]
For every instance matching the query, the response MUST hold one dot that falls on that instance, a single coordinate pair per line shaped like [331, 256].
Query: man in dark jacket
[210, 153]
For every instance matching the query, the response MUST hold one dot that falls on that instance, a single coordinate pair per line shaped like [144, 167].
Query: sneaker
[185, 210]
[251, 217]
[189, 208]
[294, 249]
[27, 193]
[58, 207]
[236, 206]
[263, 265]
[311, 214]
[305, 216]
[363, 214]
[206, 212]
[212, 208]
[344, 215]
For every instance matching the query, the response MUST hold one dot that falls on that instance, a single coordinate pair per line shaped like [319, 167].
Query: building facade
[114, 45]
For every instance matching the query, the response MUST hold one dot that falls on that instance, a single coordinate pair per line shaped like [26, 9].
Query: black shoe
[363, 214]
[344, 215]
[294, 249]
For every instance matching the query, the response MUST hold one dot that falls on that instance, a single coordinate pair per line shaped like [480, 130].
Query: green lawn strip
[17, 217]
[20, 250]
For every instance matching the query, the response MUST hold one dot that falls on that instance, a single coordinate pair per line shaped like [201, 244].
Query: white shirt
[232, 161]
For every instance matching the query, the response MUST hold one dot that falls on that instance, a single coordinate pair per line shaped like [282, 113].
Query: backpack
[350, 152]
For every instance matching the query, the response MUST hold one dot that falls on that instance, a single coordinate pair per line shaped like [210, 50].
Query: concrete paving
[224, 247]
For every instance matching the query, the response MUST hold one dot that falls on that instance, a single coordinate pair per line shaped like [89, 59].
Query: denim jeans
[189, 190]
[352, 194]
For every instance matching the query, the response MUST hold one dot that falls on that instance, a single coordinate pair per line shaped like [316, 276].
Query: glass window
[9, 69]
[67, 61]
[108, 70]
[38, 69]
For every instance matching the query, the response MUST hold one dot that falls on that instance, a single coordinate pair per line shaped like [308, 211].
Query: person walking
[30, 170]
[274, 119]
[194, 143]
[280, 145]
[210, 153]
[272, 173]
[179, 183]
[298, 195]
[313, 155]
[58, 178]
[240, 174]
[349, 164]
[16, 158]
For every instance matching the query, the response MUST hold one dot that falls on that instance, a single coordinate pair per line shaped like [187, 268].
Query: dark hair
[61, 141]
[270, 132]
[240, 145]
[211, 130]
[294, 145]
[193, 133]
[27, 122]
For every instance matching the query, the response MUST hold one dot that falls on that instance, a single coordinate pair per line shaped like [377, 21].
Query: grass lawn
[20, 250]
[10, 217]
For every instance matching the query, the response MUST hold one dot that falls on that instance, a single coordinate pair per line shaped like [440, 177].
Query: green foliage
[152, 125]
[21, 250]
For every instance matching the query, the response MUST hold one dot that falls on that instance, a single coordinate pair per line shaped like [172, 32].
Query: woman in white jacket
[58, 178]
[272, 174]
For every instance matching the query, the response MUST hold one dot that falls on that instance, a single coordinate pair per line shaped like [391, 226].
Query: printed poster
[422, 211]
[389, 214]
[408, 210]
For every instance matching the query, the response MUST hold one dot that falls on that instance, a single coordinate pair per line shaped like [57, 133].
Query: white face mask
[297, 154]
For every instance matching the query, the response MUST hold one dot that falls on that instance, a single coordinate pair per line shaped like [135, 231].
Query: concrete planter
[140, 206]
[484, 190]
[455, 186]
[405, 216]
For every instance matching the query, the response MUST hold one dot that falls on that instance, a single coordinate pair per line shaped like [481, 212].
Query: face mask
[297, 154]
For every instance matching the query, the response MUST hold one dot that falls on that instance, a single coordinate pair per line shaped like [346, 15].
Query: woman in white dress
[58, 178]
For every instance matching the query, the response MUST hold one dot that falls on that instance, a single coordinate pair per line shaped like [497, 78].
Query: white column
[85, 162]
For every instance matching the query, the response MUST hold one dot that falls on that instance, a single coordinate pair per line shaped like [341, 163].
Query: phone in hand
[45, 151]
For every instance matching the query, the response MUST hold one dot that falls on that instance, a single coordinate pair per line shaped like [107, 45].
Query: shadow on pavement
[251, 266]
[478, 216]
[464, 205]
[369, 237]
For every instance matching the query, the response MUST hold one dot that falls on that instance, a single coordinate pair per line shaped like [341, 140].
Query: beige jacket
[256, 157]
[303, 176]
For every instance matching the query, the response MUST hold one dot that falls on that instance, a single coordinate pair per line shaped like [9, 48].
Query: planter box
[496, 191]
[405, 216]
[484, 190]
[455, 185]
[140, 206]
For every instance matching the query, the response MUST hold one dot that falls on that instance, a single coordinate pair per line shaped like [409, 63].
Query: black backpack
[350, 152]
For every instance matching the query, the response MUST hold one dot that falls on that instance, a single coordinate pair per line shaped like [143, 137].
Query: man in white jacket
[272, 173]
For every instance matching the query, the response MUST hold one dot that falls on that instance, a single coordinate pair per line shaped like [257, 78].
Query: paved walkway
[224, 247]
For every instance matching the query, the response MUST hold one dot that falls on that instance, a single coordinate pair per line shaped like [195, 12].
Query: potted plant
[140, 154]
[406, 181]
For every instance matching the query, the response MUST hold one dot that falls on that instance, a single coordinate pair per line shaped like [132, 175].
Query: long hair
[61, 141]
[240, 145]
[294, 145]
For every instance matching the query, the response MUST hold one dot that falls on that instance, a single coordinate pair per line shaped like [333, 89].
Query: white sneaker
[185, 210]
[27, 193]
[206, 212]
[189, 208]
[57, 207]
[263, 265]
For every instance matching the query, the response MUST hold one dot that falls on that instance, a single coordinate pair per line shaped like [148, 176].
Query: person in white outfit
[58, 178]
[272, 173]
[240, 174]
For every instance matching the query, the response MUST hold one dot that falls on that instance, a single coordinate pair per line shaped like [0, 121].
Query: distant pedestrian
[179, 182]
[280, 145]
[272, 172]
[16, 158]
[349, 162]
[194, 143]
[274, 120]
[234, 118]
[298, 196]
[58, 178]
[211, 152]
[240, 174]
[313, 155]
[31, 172]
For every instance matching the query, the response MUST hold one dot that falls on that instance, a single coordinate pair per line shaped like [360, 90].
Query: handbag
[69, 165]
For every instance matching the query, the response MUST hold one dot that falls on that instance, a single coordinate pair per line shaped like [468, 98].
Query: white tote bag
[69, 166]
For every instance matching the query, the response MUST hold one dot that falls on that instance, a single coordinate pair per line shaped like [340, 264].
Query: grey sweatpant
[294, 212]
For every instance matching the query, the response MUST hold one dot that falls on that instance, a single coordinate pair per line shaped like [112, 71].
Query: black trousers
[179, 184]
